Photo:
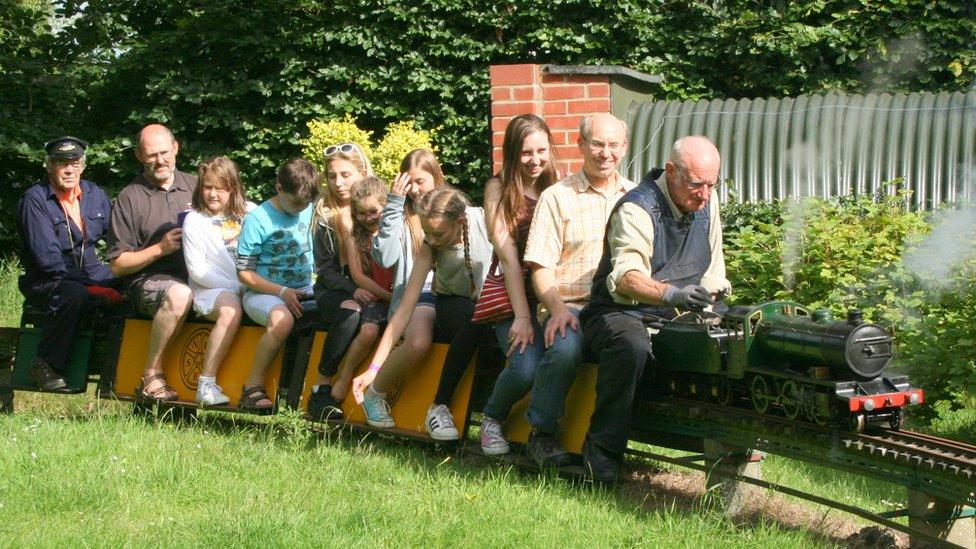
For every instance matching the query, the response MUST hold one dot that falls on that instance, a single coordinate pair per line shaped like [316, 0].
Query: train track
[952, 461]
[922, 450]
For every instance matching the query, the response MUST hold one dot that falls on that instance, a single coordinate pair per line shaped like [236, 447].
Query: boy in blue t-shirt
[274, 261]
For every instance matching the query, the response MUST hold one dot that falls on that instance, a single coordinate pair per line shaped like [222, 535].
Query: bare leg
[166, 322]
[227, 314]
[359, 349]
[280, 322]
[417, 339]
[320, 379]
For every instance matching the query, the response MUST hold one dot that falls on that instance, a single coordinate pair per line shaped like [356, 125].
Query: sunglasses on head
[340, 148]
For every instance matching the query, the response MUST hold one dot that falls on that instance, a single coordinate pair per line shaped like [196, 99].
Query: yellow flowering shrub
[323, 133]
[399, 139]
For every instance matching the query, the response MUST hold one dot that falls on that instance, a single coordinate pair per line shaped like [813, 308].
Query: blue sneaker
[377, 411]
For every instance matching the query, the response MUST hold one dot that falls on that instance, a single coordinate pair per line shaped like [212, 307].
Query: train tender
[781, 356]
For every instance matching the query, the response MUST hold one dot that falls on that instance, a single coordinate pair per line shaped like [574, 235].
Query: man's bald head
[697, 151]
[692, 172]
[156, 150]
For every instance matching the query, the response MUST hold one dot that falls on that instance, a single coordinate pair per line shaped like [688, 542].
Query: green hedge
[243, 79]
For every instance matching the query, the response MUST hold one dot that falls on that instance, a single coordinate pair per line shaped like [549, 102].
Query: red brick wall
[562, 100]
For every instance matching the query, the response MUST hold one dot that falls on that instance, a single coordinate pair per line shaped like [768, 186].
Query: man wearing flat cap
[61, 220]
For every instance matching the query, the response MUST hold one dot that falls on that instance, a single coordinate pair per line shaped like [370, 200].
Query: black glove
[692, 297]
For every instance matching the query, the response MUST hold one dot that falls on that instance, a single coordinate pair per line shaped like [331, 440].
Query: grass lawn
[80, 471]
[77, 471]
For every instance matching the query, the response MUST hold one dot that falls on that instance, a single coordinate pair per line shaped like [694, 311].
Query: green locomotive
[780, 356]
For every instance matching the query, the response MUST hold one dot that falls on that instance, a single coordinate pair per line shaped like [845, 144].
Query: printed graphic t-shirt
[277, 245]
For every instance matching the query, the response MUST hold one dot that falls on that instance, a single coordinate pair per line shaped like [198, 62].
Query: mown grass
[88, 472]
[80, 471]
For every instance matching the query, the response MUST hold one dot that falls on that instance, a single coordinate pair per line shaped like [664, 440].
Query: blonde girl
[396, 245]
[337, 296]
[210, 233]
[456, 242]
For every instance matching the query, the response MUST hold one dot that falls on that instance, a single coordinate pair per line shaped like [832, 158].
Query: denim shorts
[426, 299]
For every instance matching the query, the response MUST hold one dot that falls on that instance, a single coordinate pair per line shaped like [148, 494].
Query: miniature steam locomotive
[780, 356]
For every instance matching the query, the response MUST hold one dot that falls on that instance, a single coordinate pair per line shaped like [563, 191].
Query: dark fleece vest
[681, 250]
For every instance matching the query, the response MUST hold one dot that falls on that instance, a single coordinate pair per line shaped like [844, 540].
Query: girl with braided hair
[456, 242]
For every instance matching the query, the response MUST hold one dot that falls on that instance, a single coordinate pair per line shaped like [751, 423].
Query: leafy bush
[399, 139]
[866, 253]
[323, 133]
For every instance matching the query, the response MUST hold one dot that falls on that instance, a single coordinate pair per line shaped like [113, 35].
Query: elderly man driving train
[662, 252]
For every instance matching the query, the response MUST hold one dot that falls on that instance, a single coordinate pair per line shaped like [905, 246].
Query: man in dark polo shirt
[145, 246]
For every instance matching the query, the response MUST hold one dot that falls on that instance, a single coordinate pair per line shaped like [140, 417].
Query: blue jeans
[516, 379]
[554, 378]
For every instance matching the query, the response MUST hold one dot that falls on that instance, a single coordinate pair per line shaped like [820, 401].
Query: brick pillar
[561, 99]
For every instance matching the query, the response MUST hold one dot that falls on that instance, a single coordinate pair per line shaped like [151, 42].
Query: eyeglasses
[597, 146]
[367, 215]
[698, 185]
[340, 148]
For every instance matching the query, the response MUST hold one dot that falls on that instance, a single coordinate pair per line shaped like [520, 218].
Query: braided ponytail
[467, 256]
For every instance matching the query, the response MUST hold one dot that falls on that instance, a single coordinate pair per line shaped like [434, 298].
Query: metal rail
[882, 519]
[934, 466]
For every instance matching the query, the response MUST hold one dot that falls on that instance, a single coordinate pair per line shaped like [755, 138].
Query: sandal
[254, 398]
[162, 393]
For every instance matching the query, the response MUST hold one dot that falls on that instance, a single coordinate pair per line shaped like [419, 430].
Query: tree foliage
[244, 79]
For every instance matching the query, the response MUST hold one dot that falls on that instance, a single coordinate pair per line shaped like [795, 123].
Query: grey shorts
[147, 294]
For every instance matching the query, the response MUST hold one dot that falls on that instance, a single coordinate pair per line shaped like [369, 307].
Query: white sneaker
[377, 411]
[211, 395]
[493, 442]
[440, 423]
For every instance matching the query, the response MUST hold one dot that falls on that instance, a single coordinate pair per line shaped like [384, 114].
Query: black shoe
[322, 406]
[602, 466]
[46, 378]
[546, 451]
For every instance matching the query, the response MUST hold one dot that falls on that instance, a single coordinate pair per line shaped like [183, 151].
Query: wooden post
[732, 495]
[944, 519]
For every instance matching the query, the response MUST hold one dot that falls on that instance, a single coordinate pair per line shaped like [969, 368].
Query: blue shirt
[52, 247]
[277, 245]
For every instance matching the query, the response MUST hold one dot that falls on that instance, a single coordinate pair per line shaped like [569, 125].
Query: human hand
[520, 335]
[360, 383]
[401, 185]
[558, 323]
[363, 296]
[171, 241]
[105, 294]
[692, 297]
[292, 299]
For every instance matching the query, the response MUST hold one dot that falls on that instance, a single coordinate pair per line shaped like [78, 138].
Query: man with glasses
[61, 220]
[563, 250]
[662, 254]
[145, 245]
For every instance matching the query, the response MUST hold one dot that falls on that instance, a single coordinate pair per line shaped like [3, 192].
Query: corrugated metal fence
[821, 145]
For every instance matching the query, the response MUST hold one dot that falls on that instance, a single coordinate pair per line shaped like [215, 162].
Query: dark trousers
[453, 323]
[623, 346]
[63, 302]
[343, 327]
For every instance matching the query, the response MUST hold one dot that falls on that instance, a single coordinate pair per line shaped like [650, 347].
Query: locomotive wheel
[789, 398]
[819, 415]
[761, 397]
[896, 421]
[858, 421]
[722, 391]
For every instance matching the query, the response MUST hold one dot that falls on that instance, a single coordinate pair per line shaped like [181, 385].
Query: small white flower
[33, 455]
